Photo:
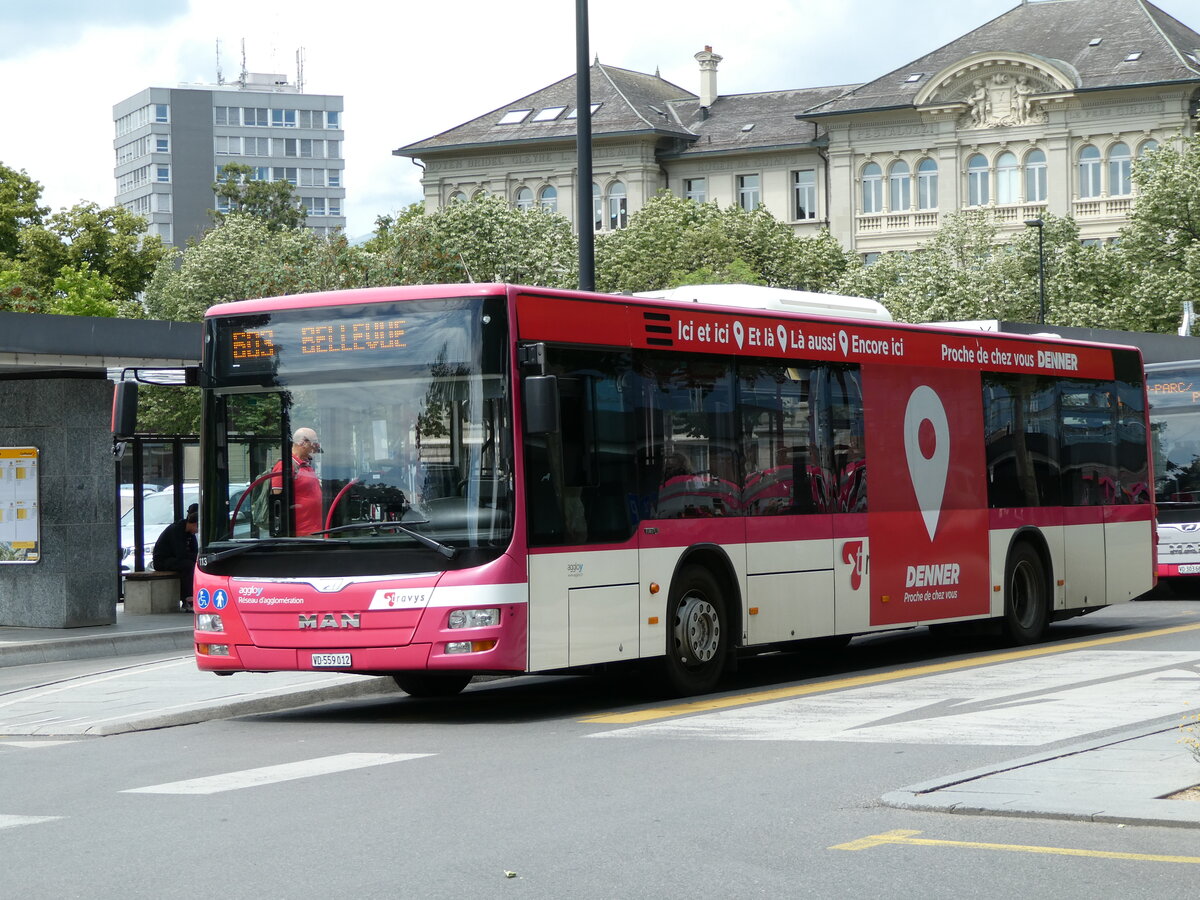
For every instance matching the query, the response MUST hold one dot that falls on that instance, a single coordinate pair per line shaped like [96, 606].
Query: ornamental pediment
[989, 90]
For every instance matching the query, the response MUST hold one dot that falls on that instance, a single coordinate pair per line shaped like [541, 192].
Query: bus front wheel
[1026, 597]
[431, 684]
[696, 634]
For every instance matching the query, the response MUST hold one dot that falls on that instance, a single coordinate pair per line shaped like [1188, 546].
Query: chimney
[708, 76]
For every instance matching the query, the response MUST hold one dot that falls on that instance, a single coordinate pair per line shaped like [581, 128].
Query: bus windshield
[1174, 393]
[375, 434]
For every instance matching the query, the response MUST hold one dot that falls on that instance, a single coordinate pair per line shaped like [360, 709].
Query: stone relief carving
[1001, 99]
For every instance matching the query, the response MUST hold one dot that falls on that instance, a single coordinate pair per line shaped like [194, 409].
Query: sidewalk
[140, 674]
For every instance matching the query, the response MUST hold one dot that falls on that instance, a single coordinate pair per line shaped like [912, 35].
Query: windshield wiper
[244, 545]
[445, 549]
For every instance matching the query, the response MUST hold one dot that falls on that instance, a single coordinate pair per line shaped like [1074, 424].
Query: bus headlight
[475, 618]
[212, 649]
[209, 622]
[469, 646]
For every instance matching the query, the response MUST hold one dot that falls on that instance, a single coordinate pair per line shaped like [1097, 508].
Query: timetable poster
[18, 505]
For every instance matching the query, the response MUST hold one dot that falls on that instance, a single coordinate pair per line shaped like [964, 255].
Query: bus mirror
[124, 409]
[541, 404]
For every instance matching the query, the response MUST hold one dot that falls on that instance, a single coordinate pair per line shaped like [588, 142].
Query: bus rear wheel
[696, 634]
[1026, 596]
[431, 684]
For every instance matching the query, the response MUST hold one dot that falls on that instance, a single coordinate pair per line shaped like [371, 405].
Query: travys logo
[927, 449]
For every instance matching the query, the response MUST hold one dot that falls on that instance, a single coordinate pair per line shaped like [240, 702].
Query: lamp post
[1041, 230]
[583, 150]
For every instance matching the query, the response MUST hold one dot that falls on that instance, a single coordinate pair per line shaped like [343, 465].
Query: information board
[19, 512]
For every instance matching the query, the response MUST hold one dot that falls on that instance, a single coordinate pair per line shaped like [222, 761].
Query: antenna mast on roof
[220, 77]
[243, 76]
[300, 70]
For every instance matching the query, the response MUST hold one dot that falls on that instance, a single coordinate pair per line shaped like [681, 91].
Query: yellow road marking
[787, 693]
[901, 836]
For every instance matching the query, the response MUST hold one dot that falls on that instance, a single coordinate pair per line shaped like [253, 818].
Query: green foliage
[82, 292]
[168, 409]
[19, 195]
[274, 202]
[672, 241]
[16, 293]
[482, 240]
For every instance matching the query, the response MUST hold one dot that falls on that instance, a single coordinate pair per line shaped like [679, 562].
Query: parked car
[127, 493]
[158, 511]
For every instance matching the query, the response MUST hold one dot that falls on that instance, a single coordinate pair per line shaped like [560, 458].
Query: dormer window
[748, 127]
[549, 114]
[514, 116]
[1095, 42]
[573, 113]
[916, 76]
[1135, 55]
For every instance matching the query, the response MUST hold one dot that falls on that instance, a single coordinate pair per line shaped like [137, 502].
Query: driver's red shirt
[306, 491]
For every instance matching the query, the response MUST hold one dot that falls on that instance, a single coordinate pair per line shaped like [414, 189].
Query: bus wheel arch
[1028, 596]
[702, 620]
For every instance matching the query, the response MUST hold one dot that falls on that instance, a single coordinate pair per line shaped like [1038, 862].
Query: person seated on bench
[175, 551]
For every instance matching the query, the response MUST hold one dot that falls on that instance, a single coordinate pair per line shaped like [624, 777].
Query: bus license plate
[330, 660]
[1189, 570]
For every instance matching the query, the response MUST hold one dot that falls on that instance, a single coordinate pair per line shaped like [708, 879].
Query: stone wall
[74, 583]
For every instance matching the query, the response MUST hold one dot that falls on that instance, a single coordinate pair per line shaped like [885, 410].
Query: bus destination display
[344, 337]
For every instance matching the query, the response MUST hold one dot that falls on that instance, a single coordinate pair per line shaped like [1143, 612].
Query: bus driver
[306, 486]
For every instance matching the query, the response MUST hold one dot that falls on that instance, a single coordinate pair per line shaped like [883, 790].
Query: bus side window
[849, 448]
[776, 419]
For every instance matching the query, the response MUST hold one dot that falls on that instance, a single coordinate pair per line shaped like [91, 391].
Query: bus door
[1088, 417]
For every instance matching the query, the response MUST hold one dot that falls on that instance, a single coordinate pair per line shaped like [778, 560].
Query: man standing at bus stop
[306, 486]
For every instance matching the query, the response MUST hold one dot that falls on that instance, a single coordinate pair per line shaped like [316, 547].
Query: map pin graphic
[781, 332]
[927, 447]
[738, 333]
[844, 341]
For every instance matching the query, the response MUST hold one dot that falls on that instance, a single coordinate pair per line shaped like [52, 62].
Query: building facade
[171, 144]
[1042, 109]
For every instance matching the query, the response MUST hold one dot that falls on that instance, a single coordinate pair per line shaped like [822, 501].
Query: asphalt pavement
[139, 674]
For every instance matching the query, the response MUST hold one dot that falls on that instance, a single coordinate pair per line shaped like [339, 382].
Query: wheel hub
[697, 630]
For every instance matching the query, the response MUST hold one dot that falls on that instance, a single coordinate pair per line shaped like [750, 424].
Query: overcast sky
[409, 71]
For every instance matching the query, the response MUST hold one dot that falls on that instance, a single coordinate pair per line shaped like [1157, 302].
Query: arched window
[618, 212]
[1008, 178]
[479, 194]
[927, 191]
[548, 199]
[1147, 147]
[1035, 177]
[1089, 172]
[1120, 165]
[523, 198]
[899, 186]
[458, 197]
[872, 188]
[597, 208]
[978, 181]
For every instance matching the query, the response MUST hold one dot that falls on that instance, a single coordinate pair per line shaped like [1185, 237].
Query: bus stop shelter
[58, 499]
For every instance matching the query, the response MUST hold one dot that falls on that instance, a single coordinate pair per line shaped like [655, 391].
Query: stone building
[1042, 109]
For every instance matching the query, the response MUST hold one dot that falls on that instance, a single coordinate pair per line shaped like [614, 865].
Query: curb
[96, 646]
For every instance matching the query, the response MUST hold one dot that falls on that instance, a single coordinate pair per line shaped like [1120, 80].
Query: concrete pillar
[74, 582]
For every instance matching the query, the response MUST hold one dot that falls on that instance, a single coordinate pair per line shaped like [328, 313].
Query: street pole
[1041, 230]
[583, 151]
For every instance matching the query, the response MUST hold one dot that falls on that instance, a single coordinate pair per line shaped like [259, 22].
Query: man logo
[330, 620]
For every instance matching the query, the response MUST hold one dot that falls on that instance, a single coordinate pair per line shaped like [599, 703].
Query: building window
[804, 190]
[162, 174]
[284, 173]
[872, 188]
[978, 181]
[332, 149]
[1035, 177]
[162, 144]
[261, 173]
[695, 189]
[1008, 178]
[333, 118]
[228, 146]
[457, 197]
[335, 206]
[597, 208]
[334, 177]
[1147, 147]
[899, 186]
[161, 113]
[749, 195]
[548, 199]
[256, 146]
[255, 116]
[312, 178]
[927, 184]
[1089, 172]
[523, 198]
[1119, 169]
[283, 118]
[227, 115]
[618, 210]
[315, 206]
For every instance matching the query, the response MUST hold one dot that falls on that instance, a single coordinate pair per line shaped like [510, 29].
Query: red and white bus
[516, 479]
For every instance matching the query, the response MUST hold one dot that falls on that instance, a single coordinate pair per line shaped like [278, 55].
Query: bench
[151, 592]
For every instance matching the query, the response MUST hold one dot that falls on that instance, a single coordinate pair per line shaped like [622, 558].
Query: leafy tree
[19, 195]
[110, 242]
[274, 202]
[672, 241]
[16, 293]
[484, 239]
[82, 292]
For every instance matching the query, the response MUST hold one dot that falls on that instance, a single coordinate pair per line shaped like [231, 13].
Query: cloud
[36, 26]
